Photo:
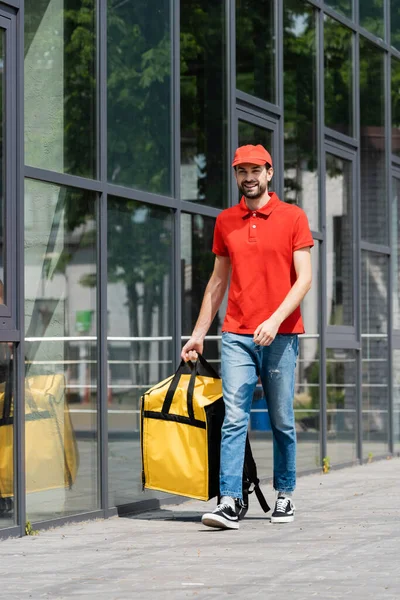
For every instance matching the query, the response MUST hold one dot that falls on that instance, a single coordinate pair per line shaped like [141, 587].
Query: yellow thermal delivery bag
[181, 420]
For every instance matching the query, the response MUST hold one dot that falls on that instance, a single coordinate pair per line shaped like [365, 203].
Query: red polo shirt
[260, 245]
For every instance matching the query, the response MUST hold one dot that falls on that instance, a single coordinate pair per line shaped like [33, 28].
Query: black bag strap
[250, 472]
[199, 367]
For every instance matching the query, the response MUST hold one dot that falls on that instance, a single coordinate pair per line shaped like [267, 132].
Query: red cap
[256, 155]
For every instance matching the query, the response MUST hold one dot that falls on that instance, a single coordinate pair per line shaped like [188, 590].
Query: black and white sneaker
[223, 517]
[284, 510]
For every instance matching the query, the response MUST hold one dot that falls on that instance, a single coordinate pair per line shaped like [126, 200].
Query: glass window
[374, 293]
[396, 252]
[395, 106]
[300, 114]
[2, 165]
[396, 398]
[375, 356]
[342, 6]
[372, 16]
[7, 504]
[255, 48]
[60, 86]
[61, 351]
[375, 395]
[307, 404]
[249, 133]
[339, 240]
[341, 370]
[204, 149]
[140, 327]
[197, 263]
[395, 24]
[338, 60]
[374, 221]
[307, 388]
[139, 95]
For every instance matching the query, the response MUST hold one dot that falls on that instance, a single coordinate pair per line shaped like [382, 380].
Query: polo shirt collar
[263, 212]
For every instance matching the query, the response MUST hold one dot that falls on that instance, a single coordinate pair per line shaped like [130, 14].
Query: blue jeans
[242, 363]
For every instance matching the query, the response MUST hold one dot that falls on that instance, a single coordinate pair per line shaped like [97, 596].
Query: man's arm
[266, 332]
[213, 296]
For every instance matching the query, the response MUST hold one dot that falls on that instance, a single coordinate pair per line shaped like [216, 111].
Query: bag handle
[199, 367]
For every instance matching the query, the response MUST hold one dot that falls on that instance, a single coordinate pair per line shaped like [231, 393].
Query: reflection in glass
[60, 86]
[197, 262]
[341, 368]
[338, 59]
[2, 162]
[307, 404]
[299, 45]
[342, 6]
[396, 399]
[395, 106]
[139, 136]
[339, 240]
[253, 134]
[374, 293]
[375, 395]
[375, 355]
[396, 252]
[374, 222]
[255, 48]
[203, 102]
[61, 350]
[395, 24]
[140, 314]
[372, 16]
[7, 504]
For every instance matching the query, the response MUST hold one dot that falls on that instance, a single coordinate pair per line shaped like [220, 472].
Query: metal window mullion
[231, 95]
[176, 98]
[19, 396]
[101, 213]
[176, 128]
[177, 277]
[388, 148]
[319, 22]
[279, 70]
[102, 365]
[357, 235]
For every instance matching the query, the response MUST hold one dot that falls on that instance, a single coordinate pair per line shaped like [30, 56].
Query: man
[264, 244]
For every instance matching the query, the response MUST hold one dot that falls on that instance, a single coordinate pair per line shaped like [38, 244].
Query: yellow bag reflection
[50, 446]
[181, 420]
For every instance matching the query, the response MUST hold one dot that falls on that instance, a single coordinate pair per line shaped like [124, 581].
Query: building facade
[118, 125]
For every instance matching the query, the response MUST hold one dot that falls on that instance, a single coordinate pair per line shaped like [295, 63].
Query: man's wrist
[198, 337]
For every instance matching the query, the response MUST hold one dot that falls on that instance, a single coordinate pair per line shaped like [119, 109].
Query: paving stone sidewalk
[344, 543]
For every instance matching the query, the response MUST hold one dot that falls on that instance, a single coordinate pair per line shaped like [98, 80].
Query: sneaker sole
[288, 519]
[218, 522]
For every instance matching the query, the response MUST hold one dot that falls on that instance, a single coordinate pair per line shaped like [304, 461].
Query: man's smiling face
[252, 180]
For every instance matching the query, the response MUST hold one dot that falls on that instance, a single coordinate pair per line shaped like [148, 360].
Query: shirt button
[254, 226]
[254, 214]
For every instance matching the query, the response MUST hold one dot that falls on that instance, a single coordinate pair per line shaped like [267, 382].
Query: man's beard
[255, 192]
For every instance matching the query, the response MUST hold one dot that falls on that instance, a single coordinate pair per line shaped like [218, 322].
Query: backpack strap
[250, 473]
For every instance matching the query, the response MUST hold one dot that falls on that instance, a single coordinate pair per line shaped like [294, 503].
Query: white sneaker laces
[281, 504]
[222, 506]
